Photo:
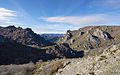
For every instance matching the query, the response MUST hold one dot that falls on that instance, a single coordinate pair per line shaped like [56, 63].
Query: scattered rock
[72, 41]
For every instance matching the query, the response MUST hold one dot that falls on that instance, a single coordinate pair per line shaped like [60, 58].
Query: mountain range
[19, 46]
[91, 50]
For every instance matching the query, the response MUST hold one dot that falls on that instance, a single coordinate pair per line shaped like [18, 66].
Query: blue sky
[57, 16]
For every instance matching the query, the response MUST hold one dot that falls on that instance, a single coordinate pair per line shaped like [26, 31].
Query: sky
[58, 16]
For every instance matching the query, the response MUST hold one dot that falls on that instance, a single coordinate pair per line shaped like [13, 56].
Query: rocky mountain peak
[23, 36]
[11, 26]
[92, 37]
[102, 34]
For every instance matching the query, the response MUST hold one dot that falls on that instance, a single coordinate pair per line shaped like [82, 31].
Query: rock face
[92, 37]
[102, 34]
[23, 36]
[68, 35]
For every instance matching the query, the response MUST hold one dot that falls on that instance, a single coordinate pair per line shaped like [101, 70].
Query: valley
[91, 50]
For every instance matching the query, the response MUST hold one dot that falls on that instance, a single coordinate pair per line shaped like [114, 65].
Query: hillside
[14, 53]
[15, 47]
[23, 36]
[92, 37]
[107, 63]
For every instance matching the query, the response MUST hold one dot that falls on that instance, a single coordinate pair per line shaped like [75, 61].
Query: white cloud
[42, 30]
[77, 20]
[7, 16]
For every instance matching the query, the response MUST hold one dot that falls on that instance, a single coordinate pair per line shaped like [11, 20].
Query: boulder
[81, 33]
[68, 35]
[94, 39]
[102, 34]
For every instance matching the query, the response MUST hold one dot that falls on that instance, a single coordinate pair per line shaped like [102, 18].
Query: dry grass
[48, 68]
[25, 69]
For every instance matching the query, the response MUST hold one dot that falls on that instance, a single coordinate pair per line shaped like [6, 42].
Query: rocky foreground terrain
[107, 63]
[91, 50]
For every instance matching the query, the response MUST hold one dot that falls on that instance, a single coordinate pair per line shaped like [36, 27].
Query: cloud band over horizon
[7, 16]
[77, 20]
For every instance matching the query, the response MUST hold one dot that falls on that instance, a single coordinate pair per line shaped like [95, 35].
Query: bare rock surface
[108, 63]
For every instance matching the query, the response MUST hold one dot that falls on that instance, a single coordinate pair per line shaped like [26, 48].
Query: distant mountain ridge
[52, 37]
[23, 36]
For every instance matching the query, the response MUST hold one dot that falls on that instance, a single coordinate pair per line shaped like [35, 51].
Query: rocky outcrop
[23, 36]
[68, 35]
[92, 37]
[102, 34]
